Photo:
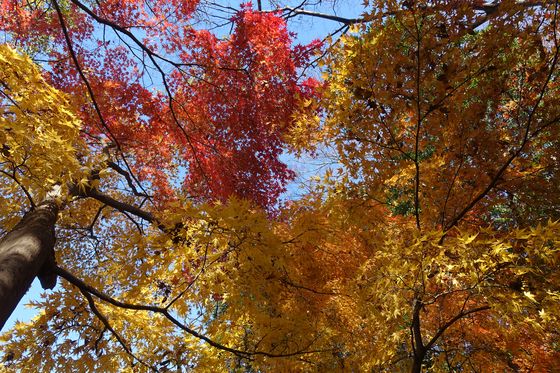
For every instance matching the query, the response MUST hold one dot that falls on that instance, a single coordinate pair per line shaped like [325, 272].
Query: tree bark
[417, 364]
[417, 343]
[26, 252]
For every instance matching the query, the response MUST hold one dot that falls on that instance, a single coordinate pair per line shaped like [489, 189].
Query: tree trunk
[417, 342]
[417, 364]
[26, 252]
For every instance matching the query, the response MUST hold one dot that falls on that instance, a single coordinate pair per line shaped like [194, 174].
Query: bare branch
[110, 201]
[291, 12]
[128, 178]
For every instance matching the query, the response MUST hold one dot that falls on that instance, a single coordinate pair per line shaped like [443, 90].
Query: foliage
[445, 115]
[422, 94]
[433, 244]
[39, 135]
[221, 107]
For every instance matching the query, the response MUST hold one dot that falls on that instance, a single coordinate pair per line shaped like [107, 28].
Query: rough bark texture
[26, 252]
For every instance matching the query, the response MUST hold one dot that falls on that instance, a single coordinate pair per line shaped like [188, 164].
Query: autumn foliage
[432, 244]
[179, 101]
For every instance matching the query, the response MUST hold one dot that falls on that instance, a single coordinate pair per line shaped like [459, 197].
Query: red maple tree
[171, 102]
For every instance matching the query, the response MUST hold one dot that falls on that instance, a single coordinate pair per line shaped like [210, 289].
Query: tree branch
[110, 201]
[418, 344]
[87, 84]
[152, 56]
[418, 126]
[524, 142]
[296, 11]
[126, 175]
[459, 316]
[108, 326]
[165, 313]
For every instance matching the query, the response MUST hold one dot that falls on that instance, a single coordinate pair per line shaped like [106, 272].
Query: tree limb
[108, 326]
[165, 313]
[459, 316]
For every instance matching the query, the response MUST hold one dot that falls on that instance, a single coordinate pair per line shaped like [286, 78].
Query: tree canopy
[150, 139]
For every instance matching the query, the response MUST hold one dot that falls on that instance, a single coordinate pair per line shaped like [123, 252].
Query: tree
[214, 129]
[431, 245]
[38, 139]
[94, 53]
[446, 116]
